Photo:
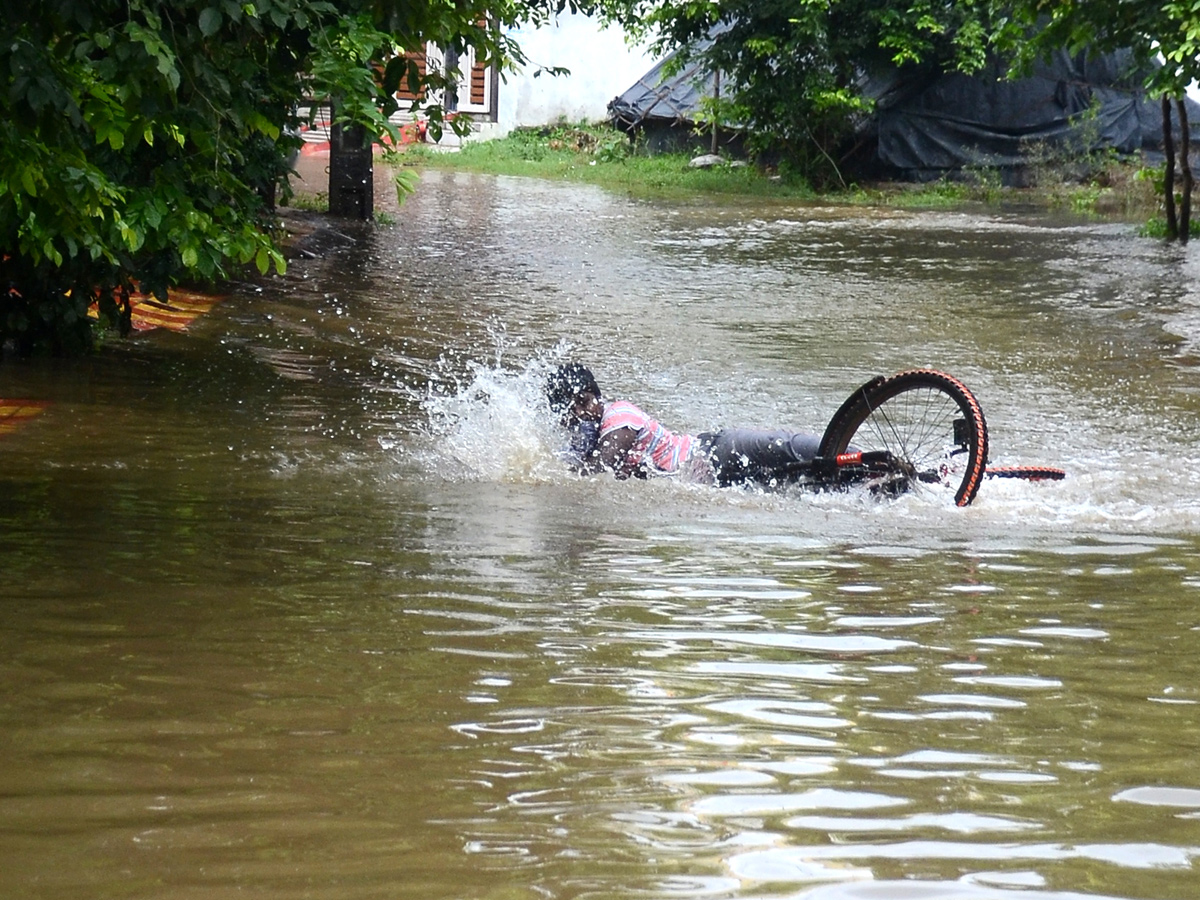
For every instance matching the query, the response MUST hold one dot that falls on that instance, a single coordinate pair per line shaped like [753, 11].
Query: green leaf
[133, 237]
[406, 183]
[260, 123]
[210, 21]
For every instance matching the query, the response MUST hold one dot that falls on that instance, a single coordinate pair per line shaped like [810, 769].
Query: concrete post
[351, 177]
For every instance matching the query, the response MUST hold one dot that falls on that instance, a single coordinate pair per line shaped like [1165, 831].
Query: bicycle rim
[926, 418]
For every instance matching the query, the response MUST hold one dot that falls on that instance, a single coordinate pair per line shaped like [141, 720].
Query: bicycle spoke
[927, 420]
[915, 430]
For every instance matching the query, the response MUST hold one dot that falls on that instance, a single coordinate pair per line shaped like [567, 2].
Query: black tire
[927, 419]
[1028, 473]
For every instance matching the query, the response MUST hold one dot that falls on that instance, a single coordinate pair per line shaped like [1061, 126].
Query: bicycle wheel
[927, 419]
[1028, 473]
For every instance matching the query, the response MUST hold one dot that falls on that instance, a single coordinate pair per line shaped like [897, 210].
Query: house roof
[659, 96]
[671, 91]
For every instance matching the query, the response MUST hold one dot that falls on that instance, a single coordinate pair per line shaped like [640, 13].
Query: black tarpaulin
[926, 125]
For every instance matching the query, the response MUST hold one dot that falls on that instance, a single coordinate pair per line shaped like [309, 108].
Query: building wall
[602, 66]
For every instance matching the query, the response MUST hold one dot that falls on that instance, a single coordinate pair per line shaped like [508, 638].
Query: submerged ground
[300, 603]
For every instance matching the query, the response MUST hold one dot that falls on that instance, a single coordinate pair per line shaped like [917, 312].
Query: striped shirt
[655, 449]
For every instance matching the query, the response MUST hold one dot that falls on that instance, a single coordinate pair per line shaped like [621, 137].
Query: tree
[791, 71]
[142, 142]
[1165, 40]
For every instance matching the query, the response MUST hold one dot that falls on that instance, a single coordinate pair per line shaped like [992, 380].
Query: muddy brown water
[299, 603]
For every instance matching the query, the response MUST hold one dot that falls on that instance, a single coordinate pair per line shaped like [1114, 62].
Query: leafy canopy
[143, 141]
[792, 69]
[1166, 33]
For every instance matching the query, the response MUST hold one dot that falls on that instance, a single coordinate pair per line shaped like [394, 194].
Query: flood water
[299, 603]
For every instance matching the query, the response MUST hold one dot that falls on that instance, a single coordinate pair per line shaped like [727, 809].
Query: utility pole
[351, 173]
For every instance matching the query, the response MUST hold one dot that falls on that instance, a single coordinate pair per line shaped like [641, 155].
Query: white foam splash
[491, 423]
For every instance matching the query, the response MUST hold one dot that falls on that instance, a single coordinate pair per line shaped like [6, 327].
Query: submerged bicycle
[907, 431]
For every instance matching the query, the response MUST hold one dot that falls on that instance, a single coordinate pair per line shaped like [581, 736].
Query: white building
[601, 64]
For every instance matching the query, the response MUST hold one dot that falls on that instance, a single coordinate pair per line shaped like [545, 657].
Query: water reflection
[302, 603]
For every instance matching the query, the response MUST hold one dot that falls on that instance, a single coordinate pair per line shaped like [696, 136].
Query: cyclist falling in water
[918, 429]
[617, 436]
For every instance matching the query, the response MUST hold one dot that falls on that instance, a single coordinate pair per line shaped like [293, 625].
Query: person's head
[565, 387]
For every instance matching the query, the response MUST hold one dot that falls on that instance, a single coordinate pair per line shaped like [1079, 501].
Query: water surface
[299, 603]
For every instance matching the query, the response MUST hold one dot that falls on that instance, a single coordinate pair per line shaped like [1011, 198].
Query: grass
[599, 154]
[310, 202]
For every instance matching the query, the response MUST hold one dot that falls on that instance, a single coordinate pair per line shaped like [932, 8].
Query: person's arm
[583, 452]
[588, 463]
[614, 450]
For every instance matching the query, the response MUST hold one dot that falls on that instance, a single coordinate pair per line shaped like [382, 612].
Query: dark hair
[566, 383]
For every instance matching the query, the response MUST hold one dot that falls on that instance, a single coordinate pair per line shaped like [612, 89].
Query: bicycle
[907, 431]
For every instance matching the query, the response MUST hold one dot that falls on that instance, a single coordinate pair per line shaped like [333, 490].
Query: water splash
[490, 422]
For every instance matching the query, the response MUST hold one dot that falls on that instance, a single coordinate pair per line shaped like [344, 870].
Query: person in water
[619, 437]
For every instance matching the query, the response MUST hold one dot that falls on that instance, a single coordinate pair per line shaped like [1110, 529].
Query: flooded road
[300, 603]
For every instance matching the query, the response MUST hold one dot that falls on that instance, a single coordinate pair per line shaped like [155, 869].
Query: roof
[667, 95]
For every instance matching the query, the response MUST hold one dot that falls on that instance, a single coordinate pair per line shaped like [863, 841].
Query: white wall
[602, 67]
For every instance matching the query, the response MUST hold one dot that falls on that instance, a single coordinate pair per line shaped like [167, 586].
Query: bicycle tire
[1028, 473]
[926, 418]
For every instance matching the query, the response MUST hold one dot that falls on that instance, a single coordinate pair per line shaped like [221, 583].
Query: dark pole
[1185, 164]
[716, 106]
[1169, 172]
[351, 175]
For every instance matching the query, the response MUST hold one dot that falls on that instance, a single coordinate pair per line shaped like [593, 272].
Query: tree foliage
[142, 142]
[136, 144]
[794, 68]
[792, 71]
[1165, 40]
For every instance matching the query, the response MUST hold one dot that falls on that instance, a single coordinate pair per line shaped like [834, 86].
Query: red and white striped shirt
[657, 450]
